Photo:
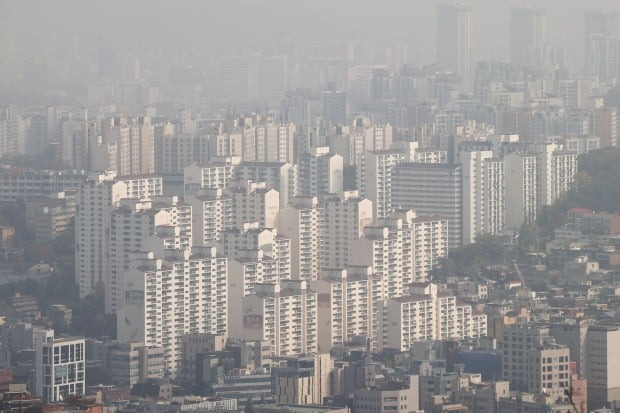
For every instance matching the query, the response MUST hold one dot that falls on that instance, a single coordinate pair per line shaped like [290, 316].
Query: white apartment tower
[320, 173]
[212, 213]
[483, 194]
[431, 189]
[349, 304]
[302, 223]
[284, 315]
[277, 175]
[374, 176]
[428, 314]
[170, 293]
[521, 182]
[401, 250]
[344, 221]
[133, 221]
[95, 202]
[254, 202]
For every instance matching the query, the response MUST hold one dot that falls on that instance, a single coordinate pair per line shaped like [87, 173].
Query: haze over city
[319, 206]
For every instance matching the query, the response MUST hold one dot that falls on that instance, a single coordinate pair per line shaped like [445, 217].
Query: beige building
[392, 397]
[344, 222]
[602, 359]
[302, 380]
[533, 362]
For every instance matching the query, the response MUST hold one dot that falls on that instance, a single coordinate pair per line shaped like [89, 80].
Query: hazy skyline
[237, 26]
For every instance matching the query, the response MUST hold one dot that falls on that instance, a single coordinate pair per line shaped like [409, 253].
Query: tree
[528, 238]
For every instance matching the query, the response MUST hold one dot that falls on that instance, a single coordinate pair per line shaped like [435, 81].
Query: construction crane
[529, 296]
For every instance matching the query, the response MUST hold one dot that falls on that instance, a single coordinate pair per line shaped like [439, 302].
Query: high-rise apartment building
[349, 303]
[483, 194]
[302, 222]
[374, 179]
[212, 214]
[602, 42]
[320, 172]
[344, 221]
[284, 315]
[428, 314]
[173, 292]
[95, 202]
[521, 182]
[254, 202]
[431, 189]
[453, 42]
[401, 249]
[132, 222]
[280, 176]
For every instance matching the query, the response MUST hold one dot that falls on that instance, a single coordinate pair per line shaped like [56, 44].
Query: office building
[528, 33]
[401, 397]
[533, 362]
[602, 355]
[59, 366]
[302, 380]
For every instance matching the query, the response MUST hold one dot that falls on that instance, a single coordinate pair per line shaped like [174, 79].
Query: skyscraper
[528, 33]
[453, 44]
[602, 43]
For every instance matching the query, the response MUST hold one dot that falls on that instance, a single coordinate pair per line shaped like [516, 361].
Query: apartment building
[284, 315]
[254, 202]
[320, 172]
[302, 222]
[374, 179]
[344, 221]
[212, 214]
[431, 189]
[349, 302]
[427, 314]
[170, 293]
[96, 201]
